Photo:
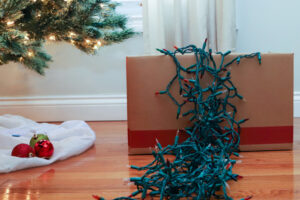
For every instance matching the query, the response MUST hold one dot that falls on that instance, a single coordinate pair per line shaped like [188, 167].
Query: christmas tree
[86, 24]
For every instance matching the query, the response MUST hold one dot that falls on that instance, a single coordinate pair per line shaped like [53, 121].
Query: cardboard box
[267, 88]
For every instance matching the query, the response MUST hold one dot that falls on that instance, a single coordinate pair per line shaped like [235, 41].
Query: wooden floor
[101, 170]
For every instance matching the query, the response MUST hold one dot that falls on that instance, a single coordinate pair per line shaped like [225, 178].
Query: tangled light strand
[200, 166]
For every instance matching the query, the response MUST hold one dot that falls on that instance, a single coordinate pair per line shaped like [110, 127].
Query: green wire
[202, 164]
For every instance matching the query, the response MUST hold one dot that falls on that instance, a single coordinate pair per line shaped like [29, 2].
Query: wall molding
[88, 108]
[297, 104]
[57, 108]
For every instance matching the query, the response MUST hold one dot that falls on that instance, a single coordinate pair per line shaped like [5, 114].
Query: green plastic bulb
[37, 137]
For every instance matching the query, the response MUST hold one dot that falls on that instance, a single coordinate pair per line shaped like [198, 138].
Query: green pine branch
[86, 24]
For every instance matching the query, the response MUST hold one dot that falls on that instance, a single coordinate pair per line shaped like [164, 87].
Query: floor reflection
[29, 183]
[296, 152]
[267, 175]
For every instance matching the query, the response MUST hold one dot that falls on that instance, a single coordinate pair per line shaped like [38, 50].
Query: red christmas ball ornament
[44, 149]
[23, 151]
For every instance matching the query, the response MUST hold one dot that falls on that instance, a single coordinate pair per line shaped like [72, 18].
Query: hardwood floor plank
[101, 170]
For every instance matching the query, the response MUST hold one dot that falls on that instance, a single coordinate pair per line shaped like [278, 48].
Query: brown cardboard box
[267, 88]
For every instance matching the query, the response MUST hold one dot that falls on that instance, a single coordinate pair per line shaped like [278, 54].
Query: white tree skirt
[69, 139]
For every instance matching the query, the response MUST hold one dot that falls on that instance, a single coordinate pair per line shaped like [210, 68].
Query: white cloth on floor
[69, 139]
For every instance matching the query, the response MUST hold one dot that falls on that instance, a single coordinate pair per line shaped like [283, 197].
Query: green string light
[201, 166]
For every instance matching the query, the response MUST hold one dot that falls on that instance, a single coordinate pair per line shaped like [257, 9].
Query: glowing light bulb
[26, 37]
[88, 41]
[30, 54]
[99, 43]
[72, 42]
[52, 37]
[95, 47]
[102, 5]
[10, 23]
[72, 34]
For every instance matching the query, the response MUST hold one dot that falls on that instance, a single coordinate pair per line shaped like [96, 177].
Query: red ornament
[44, 149]
[23, 151]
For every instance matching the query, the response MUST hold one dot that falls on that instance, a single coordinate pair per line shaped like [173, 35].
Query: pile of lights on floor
[201, 166]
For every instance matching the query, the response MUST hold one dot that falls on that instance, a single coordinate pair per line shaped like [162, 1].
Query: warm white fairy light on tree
[26, 25]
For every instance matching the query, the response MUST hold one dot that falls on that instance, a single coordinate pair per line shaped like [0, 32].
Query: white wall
[77, 85]
[72, 72]
[270, 26]
[89, 83]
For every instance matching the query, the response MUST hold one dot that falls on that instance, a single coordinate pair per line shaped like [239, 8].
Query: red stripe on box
[266, 135]
[249, 135]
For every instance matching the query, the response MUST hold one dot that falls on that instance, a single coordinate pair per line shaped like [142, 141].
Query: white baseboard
[297, 104]
[88, 108]
[47, 109]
